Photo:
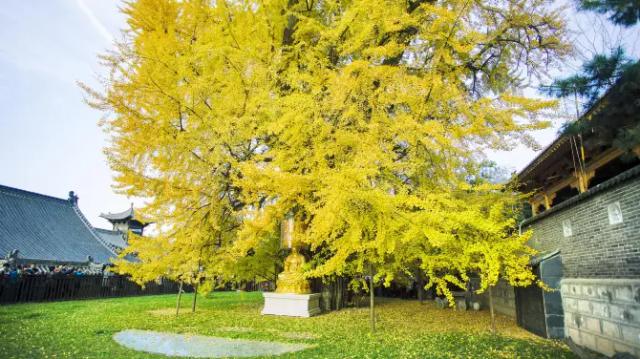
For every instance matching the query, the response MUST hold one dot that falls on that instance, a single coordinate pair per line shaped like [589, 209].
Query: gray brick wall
[596, 249]
[600, 288]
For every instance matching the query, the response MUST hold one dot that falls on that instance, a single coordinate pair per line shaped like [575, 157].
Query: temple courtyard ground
[405, 329]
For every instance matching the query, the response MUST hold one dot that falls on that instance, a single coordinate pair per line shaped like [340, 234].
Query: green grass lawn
[406, 329]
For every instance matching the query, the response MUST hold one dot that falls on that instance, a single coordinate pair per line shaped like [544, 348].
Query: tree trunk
[275, 276]
[371, 301]
[420, 288]
[339, 293]
[195, 296]
[493, 316]
[179, 297]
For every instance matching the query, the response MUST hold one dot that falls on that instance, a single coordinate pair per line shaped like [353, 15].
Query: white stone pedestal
[293, 305]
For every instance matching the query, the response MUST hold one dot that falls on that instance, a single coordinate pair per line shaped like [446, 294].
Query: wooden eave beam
[581, 182]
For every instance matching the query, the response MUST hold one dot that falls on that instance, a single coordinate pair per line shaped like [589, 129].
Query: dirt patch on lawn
[299, 335]
[163, 312]
[237, 329]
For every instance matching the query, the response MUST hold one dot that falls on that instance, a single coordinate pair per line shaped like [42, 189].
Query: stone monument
[293, 295]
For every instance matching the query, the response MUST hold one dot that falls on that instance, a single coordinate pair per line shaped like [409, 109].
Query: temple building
[125, 221]
[584, 212]
[48, 231]
[122, 223]
[44, 230]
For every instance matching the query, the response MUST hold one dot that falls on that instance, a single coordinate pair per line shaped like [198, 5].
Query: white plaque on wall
[615, 213]
[566, 228]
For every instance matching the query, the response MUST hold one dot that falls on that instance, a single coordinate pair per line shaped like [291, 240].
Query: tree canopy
[366, 120]
[597, 75]
[608, 82]
[621, 12]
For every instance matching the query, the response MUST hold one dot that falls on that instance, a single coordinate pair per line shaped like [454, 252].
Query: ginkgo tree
[181, 110]
[366, 118]
[483, 241]
[384, 108]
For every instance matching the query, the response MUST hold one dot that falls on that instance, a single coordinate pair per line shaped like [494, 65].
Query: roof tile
[47, 228]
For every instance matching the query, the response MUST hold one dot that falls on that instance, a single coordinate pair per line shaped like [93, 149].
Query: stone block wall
[603, 314]
[504, 300]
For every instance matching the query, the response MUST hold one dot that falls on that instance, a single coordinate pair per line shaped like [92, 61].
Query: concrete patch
[200, 346]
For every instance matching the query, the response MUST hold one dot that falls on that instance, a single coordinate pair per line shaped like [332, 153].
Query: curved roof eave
[120, 216]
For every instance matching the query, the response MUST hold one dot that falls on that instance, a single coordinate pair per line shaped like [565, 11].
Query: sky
[50, 141]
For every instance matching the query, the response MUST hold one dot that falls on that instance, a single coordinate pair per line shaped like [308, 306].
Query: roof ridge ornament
[73, 198]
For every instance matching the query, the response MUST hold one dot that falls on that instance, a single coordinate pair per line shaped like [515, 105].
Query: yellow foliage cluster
[366, 119]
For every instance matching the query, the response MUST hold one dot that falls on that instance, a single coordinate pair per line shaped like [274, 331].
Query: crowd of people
[14, 271]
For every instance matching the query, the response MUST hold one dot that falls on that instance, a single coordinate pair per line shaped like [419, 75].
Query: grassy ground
[406, 329]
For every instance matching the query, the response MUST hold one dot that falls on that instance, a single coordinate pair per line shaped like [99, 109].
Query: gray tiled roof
[114, 239]
[47, 229]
